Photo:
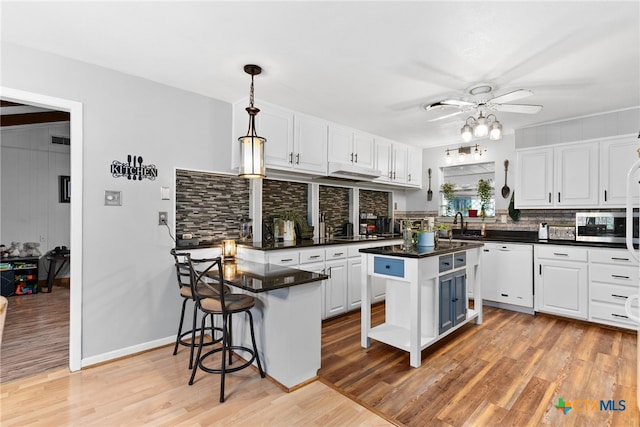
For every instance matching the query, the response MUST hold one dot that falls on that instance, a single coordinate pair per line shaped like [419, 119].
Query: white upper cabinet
[276, 125]
[399, 163]
[414, 166]
[350, 146]
[561, 177]
[383, 159]
[616, 157]
[576, 175]
[310, 144]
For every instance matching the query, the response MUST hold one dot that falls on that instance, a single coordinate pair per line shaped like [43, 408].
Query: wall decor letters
[133, 169]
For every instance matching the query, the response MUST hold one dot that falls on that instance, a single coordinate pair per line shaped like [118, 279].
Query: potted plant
[484, 193]
[447, 189]
[292, 220]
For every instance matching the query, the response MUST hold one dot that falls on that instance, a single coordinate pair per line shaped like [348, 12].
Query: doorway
[76, 220]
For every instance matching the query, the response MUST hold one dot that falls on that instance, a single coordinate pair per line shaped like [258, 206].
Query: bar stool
[183, 262]
[225, 305]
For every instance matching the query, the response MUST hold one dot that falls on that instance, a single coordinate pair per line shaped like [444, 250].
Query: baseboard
[127, 351]
[512, 307]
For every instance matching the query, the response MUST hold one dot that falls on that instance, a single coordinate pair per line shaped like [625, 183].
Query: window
[464, 182]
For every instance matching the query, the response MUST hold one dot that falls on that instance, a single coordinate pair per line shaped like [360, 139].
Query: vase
[289, 232]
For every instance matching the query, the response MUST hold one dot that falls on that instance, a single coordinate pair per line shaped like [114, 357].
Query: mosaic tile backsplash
[334, 203]
[210, 205]
[375, 202]
[280, 196]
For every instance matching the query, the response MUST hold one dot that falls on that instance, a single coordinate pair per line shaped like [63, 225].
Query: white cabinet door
[354, 283]
[414, 167]
[616, 157]
[340, 148]
[276, 125]
[363, 148]
[310, 145]
[576, 175]
[383, 159]
[534, 178]
[562, 288]
[336, 287]
[399, 163]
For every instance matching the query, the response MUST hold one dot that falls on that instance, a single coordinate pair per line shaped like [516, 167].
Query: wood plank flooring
[510, 370]
[36, 334]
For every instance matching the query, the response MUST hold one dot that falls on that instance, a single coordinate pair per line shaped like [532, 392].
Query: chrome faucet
[455, 221]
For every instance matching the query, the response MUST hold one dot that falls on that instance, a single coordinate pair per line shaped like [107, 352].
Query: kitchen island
[426, 293]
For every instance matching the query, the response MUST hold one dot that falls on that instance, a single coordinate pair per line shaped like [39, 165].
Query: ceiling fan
[480, 98]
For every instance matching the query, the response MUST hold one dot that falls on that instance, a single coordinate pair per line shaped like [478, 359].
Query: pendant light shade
[481, 127]
[252, 145]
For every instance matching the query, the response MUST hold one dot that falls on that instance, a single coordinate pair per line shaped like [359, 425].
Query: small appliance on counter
[347, 230]
[543, 231]
[610, 227]
[562, 232]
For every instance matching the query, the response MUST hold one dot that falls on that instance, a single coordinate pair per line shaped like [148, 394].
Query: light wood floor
[36, 334]
[509, 371]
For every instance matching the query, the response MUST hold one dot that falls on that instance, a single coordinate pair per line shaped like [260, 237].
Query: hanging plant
[484, 194]
[447, 190]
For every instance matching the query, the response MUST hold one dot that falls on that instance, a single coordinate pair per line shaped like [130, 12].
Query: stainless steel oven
[607, 227]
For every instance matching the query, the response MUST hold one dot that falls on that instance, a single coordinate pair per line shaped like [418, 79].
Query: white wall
[31, 211]
[129, 290]
[497, 151]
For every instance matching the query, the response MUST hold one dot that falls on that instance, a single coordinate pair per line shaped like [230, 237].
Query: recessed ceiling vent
[60, 140]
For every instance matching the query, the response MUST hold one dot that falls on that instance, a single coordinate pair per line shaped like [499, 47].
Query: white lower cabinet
[561, 280]
[336, 287]
[613, 277]
[507, 275]
[354, 282]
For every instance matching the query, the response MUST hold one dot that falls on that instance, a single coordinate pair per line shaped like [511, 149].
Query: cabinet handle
[390, 175]
[619, 315]
[314, 256]
[291, 157]
[617, 276]
[298, 159]
[460, 259]
[351, 157]
[356, 157]
[560, 254]
[605, 195]
[286, 260]
[558, 197]
[409, 177]
[540, 273]
[330, 272]
[505, 295]
[619, 296]
[394, 174]
[485, 250]
[338, 253]
[446, 263]
[619, 259]
[549, 197]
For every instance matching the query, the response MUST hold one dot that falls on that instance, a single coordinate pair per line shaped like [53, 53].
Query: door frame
[76, 226]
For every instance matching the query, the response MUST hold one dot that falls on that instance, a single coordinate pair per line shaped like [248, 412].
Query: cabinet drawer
[616, 257]
[612, 314]
[614, 294]
[459, 259]
[620, 275]
[312, 255]
[561, 253]
[283, 258]
[445, 263]
[354, 250]
[336, 253]
[388, 266]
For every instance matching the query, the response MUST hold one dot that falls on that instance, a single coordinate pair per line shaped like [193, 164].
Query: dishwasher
[507, 276]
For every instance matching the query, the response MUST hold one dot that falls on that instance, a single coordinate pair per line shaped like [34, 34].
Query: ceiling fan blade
[512, 96]
[457, 102]
[446, 116]
[517, 108]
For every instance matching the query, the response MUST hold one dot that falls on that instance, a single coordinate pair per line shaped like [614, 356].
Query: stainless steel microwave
[609, 227]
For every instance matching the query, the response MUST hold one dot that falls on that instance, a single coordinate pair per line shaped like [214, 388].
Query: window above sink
[464, 182]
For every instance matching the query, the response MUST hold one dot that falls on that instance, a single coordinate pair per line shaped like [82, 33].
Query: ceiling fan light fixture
[252, 145]
[448, 158]
[466, 132]
[495, 131]
[482, 126]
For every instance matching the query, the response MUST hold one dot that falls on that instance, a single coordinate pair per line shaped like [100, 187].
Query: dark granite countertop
[297, 244]
[441, 248]
[527, 237]
[256, 277]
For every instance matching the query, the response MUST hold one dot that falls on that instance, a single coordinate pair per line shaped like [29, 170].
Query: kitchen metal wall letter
[133, 169]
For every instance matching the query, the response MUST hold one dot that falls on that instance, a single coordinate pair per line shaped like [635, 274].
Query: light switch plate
[112, 198]
[165, 193]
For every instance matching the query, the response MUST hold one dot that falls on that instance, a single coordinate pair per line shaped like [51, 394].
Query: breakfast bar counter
[426, 293]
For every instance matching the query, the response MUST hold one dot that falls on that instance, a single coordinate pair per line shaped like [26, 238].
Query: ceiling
[369, 65]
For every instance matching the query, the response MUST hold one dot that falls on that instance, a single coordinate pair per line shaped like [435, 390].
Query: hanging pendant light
[252, 145]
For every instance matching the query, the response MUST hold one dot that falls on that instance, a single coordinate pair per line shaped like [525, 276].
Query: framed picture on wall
[64, 189]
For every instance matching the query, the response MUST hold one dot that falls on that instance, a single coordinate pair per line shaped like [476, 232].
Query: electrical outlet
[162, 218]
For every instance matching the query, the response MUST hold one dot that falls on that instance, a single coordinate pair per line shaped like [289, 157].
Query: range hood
[351, 171]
